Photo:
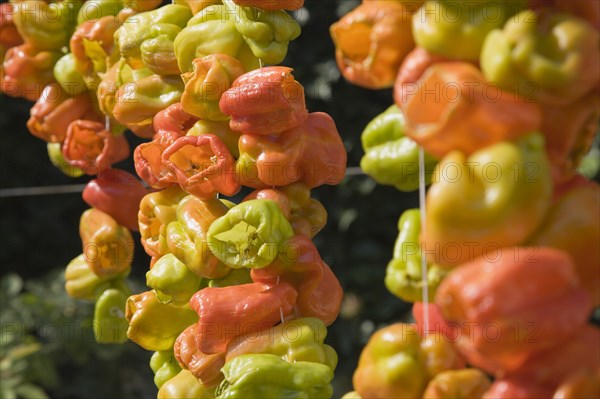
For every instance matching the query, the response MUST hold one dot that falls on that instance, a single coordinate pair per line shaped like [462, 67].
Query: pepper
[457, 384]
[154, 325]
[203, 166]
[268, 376]
[226, 313]
[212, 31]
[185, 385]
[513, 305]
[271, 5]
[220, 129]
[299, 264]
[157, 210]
[158, 53]
[351, 395]
[107, 247]
[265, 102]
[435, 321]
[9, 35]
[516, 388]
[186, 236]
[250, 234]
[165, 367]
[56, 158]
[452, 107]
[91, 148]
[550, 57]
[495, 198]
[235, 277]
[397, 363]
[174, 119]
[371, 41]
[267, 32]
[439, 25]
[580, 8]
[391, 157]
[581, 384]
[82, 283]
[172, 280]
[211, 77]
[403, 274]
[110, 326]
[67, 77]
[312, 153]
[98, 9]
[142, 5]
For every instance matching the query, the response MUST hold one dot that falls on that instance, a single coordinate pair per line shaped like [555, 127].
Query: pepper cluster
[503, 98]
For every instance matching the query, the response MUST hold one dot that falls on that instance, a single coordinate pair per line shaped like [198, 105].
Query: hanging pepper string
[423, 212]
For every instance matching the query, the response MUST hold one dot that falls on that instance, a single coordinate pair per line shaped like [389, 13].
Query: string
[423, 212]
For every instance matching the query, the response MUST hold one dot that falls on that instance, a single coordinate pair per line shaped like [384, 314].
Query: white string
[425, 297]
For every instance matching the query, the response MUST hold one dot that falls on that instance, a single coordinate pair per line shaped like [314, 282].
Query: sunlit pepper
[250, 234]
[68, 77]
[202, 165]
[212, 31]
[154, 325]
[186, 236]
[299, 264]
[548, 57]
[371, 41]
[495, 198]
[226, 313]
[517, 388]
[268, 376]
[271, 4]
[92, 148]
[452, 107]
[220, 129]
[312, 153]
[107, 247]
[185, 385]
[264, 102]
[439, 25]
[165, 366]
[82, 283]
[457, 384]
[57, 159]
[110, 325]
[267, 32]
[398, 363]
[158, 53]
[97, 9]
[172, 280]
[390, 156]
[403, 274]
[235, 277]
[211, 77]
[513, 305]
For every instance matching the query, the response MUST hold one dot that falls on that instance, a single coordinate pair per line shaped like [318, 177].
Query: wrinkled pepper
[68, 77]
[495, 198]
[403, 274]
[57, 159]
[82, 283]
[268, 376]
[548, 57]
[110, 325]
[265, 102]
[172, 280]
[371, 41]
[154, 325]
[513, 305]
[158, 53]
[220, 129]
[312, 153]
[164, 366]
[457, 384]
[185, 385]
[249, 234]
[391, 157]
[205, 367]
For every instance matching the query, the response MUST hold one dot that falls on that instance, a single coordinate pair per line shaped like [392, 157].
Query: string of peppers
[503, 97]
[239, 297]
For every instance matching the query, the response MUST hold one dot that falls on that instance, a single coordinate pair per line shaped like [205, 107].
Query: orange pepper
[206, 368]
[466, 383]
[271, 5]
[9, 35]
[312, 153]
[580, 384]
[371, 41]
[265, 101]
[452, 107]
[506, 388]
[91, 148]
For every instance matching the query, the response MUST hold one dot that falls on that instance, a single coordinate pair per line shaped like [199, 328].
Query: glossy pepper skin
[110, 326]
[82, 283]
[439, 25]
[548, 57]
[536, 302]
[473, 207]
[461, 384]
[184, 385]
[154, 325]
[452, 107]
[268, 376]
[57, 159]
[267, 32]
[266, 101]
[312, 153]
[158, 53]
[235, 277]
[516, 388]
[397, 363]
[220, 129]
[164, 366]
[202, 165]
[391, 157]
[249, 234]
[117, 193]
[187, 236]
[271, 5]
[107, 247]
[67, 76]
[403, 274]
[211, 77]
[371, 41]
[232, 311]
[172, 280]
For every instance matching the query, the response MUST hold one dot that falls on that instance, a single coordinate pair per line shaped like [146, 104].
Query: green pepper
[221, 130]
[267, 376]
[172, 280]
[67, 76]
[391, 157]
[57, 159]
[96, 9]
[236, 277]
[82, 283]
[158, 53]
[268, 33]
[165, 366]
[457, 29]
[185, 385]
[250, 234]
[351, 395]
[403, 274]
[110, 325]
[549, 57]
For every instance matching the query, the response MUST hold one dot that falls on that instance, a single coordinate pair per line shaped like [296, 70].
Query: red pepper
[517, 389]
[207, 368]
[436, 322]
[9, 35]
